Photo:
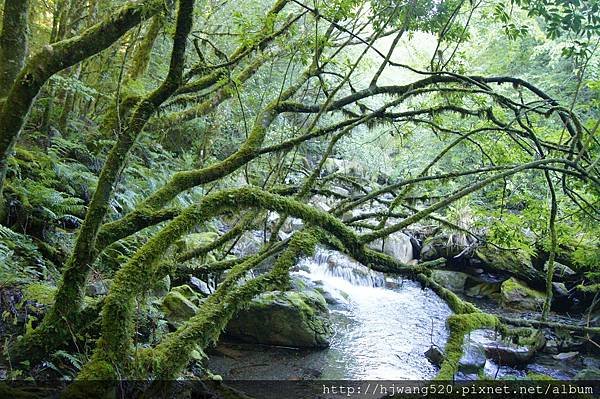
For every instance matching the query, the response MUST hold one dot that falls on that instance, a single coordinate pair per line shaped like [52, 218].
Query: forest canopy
[131, 130]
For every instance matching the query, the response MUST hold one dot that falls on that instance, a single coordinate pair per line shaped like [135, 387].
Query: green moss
[460, 325]
[186, 291]
[539, 377]
[40, 293]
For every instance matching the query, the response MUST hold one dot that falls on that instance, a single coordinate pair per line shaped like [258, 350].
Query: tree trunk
[13, 42]
[56, 57]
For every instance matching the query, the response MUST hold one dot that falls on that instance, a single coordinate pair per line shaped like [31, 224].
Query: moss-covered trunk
[56, 57]
[13, 42]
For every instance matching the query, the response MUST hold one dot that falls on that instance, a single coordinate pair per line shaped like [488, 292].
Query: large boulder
[560, 271]
[397, 245]
[454, 281]
[517, 295]
[289, 318]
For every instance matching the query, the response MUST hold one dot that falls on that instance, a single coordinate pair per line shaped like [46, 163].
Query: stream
[382, 327]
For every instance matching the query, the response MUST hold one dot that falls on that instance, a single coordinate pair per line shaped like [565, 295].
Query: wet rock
[328, 296]
[560, 270]
[454, 281]
[508, 354]
[517, 295]
[294, 319]
[473, 358]
[460, 376]
[566, 356]
[200, 286]
[434, 355]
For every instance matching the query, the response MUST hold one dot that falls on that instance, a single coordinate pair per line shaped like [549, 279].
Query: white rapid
[382, 325]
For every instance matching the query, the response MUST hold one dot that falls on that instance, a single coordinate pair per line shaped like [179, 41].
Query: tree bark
[13, 42]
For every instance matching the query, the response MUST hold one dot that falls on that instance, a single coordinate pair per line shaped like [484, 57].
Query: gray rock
[508, 355]
[566, 356]
[340, 191]
[434, 355]
[560, 289]
[200, 286]
[560, 270]
[293, 319]
[454, 281]
[473, 358]
[397, 245]
[97, 288]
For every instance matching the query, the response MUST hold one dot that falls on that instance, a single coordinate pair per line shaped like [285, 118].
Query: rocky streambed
[385, 328]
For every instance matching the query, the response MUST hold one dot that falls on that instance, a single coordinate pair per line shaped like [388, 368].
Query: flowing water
[382, 327]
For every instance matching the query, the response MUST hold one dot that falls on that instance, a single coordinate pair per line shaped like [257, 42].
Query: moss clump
[460, 325]
[178, 308]
[518, 295]
[40, 293]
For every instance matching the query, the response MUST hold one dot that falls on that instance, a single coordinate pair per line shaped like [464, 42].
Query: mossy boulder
[517, 295]
[513, 263]
[484, 290]
[289, 318]
[177, 307]
[189, 293]
[454, 281]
